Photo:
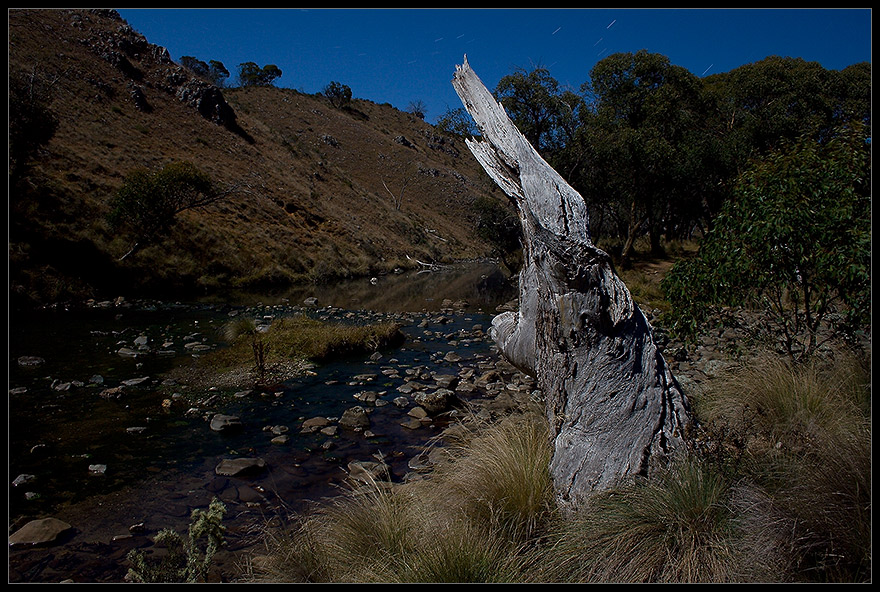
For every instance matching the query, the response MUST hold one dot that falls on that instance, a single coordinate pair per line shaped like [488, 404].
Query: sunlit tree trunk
[614, 408]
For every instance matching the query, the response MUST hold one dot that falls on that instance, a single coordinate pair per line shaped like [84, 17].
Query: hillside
[317, 192]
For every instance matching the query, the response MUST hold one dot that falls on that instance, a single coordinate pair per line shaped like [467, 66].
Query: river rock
[446, 381]
[23, 479]
[225, 423]
[411, 424]
[26, 361]
[367, 471]
[136, 381]
[234, 467]
[354, 418]
[97, 469]
[39, 532]
[418, 413]
[368, 397]
[452, 357]
[314, 424]
[435, 402]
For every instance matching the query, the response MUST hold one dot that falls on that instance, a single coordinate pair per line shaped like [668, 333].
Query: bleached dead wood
[614, 408]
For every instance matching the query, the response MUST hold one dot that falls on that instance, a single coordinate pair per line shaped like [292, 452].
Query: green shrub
[794, 241]
[148, 202]
[184, 560]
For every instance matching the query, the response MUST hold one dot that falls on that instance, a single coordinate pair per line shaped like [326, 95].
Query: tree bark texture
[614, 408]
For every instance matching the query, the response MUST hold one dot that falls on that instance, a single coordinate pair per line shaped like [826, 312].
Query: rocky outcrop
[149, 66]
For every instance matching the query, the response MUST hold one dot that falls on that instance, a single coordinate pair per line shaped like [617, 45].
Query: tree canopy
[250, 74]
[338, 94]
[765, 164]
[148, 202]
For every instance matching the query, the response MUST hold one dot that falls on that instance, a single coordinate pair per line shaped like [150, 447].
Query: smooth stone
[38, 532]
[136, 381]
[30, 361]
[314, 424]
[220, 423]
[452, 357]
[411, 424]
[97, 469]
[367, 471]
[233, 467]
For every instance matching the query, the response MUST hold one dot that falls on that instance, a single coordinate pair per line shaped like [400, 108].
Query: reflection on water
[482, 285]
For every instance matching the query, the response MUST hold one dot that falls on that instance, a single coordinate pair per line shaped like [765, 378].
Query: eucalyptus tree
[647, 151]
[541, 109]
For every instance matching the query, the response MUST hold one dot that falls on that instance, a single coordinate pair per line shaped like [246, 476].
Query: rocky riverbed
[107, 459]
[142, 454]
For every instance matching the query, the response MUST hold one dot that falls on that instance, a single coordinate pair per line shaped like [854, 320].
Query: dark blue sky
[399, 56]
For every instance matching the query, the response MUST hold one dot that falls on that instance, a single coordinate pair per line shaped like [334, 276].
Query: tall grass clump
[804, 436]
[470, 520]
[502, 478]
[678, 527]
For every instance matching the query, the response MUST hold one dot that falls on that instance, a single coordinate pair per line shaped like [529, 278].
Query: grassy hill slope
[320, 192]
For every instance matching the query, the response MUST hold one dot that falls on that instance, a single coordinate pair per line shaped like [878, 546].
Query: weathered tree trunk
[614, 408]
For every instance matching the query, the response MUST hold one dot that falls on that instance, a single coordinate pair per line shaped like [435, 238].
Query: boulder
[435, 402]
[39, 532]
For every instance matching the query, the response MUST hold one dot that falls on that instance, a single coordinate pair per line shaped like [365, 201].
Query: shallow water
[160, 462]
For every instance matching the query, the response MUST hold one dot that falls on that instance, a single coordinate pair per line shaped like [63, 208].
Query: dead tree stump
[613, 406]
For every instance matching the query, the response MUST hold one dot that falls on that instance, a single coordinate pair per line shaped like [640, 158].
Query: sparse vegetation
[261, 355]
[184, 561]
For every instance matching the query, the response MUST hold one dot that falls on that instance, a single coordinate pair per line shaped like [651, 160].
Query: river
[119, 466]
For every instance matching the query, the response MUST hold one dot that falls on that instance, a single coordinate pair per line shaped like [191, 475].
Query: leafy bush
[338, 94]
[148, 202]
[795, 241]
